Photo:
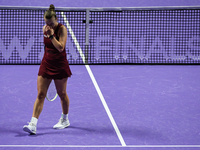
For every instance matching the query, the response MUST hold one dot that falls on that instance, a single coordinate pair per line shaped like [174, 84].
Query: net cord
[101, 8]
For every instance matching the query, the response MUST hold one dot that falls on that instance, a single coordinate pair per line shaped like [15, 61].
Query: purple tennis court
[151, 105]
[135, 82]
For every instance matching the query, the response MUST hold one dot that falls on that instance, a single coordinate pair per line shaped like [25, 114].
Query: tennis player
[54, 66]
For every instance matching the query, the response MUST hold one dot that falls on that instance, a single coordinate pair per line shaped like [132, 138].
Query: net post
[87, 35]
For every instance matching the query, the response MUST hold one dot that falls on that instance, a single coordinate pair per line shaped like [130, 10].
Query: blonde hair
[50, 12]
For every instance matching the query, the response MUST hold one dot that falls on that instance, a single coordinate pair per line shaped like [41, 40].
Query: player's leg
[61, 86]
[42, 87]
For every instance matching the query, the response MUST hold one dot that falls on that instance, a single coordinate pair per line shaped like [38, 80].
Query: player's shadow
[17, 132]
[69, 130]
[49, 130]
[72, 129]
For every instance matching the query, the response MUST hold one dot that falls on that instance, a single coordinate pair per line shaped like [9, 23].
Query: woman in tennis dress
[54, 66]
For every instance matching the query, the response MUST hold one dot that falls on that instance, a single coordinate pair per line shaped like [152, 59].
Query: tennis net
[169, 35]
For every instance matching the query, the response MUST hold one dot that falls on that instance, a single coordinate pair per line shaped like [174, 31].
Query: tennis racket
[51, 93]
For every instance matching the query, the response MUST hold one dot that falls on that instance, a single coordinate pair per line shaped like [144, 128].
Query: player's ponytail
[51, 7]
[50, 12]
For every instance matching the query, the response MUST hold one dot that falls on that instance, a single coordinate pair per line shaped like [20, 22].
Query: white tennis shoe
[62, 124]
[31, 128]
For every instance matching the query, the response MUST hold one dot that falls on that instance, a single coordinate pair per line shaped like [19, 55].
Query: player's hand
[49, 30]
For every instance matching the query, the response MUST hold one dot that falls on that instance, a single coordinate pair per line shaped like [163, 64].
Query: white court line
[94, 82]
[109, 146]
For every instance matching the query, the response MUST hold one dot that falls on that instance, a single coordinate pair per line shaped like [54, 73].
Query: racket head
[51, 99]
[51, 92]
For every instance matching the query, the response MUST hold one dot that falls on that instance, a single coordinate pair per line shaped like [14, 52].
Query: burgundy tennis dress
[54, 64]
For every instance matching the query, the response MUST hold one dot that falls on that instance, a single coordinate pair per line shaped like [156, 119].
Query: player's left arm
[62, 33]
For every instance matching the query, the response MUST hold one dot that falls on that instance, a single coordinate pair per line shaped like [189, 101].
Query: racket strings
[51, 93]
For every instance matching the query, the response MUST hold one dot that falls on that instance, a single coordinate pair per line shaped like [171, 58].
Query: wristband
[51, 37]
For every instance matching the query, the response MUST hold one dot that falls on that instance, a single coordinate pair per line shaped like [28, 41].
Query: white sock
[34, 120]
[64, 116]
